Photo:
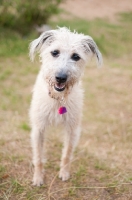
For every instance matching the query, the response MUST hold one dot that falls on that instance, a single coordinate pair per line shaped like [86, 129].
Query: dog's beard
[59, 91]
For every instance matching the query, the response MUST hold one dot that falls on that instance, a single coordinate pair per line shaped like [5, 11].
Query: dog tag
[62, 110]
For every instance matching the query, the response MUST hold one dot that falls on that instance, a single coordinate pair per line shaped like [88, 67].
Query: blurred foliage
[24, 15]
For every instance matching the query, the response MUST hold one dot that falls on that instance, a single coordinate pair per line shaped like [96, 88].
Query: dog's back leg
[37, 140]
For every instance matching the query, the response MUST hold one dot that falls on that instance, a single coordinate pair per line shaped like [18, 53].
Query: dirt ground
[90, 9]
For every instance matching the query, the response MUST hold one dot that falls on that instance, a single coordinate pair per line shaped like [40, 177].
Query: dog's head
[63, 55]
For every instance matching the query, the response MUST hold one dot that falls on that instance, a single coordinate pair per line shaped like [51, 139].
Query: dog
[58, 94]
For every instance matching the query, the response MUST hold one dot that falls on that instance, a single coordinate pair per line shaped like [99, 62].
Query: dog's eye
[75, 57]
[55, 53]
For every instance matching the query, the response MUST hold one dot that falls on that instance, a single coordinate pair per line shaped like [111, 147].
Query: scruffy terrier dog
[57, 94]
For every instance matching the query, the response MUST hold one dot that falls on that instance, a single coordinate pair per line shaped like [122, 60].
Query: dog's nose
[61, 78]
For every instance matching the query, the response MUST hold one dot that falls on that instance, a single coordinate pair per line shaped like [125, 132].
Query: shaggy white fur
[63, 55]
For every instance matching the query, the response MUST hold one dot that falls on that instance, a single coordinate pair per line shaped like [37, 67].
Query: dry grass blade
[88, 187]
[53, 180]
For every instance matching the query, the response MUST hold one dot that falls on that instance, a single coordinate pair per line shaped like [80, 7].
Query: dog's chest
[54, 115]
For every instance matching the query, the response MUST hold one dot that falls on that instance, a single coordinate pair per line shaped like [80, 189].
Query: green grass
[25, 126]
[13, 44]
[102, 165]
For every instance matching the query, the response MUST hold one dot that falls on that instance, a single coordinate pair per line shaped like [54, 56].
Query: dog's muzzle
[60, 82]
[59, 87]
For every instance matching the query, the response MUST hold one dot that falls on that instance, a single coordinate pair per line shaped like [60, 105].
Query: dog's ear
[36, 45]
[91, 46]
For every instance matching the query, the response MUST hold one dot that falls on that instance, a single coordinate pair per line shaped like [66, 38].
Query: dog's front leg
[70, 142]
[37, 140]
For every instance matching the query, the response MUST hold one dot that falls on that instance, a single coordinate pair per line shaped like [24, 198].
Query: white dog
[57, 94]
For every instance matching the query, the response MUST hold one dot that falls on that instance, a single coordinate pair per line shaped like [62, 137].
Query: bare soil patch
[90, 9]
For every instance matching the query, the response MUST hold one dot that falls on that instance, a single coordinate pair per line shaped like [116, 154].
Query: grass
[102, 165]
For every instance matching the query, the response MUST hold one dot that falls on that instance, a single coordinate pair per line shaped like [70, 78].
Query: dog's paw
[64, 175]
[38, 181]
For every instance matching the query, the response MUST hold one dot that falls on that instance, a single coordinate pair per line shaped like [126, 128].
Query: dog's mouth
[59, 87]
